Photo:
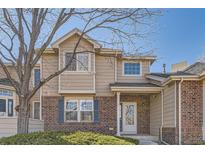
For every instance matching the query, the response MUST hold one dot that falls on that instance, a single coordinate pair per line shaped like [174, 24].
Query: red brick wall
[107, 124]
[168, 135]
[191, 111]
[143, 111]
[108, 115]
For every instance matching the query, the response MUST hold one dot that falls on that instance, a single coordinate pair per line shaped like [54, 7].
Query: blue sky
[181, 36]
[178, 35]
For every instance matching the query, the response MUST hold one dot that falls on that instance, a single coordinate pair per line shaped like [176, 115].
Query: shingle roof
[5, 81]
[166, 75]
[196, 68]
[120, 84]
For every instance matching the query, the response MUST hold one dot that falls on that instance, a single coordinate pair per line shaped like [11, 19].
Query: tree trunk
[23, 117]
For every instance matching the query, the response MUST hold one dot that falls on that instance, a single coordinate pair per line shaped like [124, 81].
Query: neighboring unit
[107, 92]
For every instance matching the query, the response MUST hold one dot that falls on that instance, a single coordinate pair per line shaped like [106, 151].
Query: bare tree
[24, 30]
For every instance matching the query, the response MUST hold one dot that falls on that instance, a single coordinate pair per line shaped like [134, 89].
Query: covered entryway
[135, 107]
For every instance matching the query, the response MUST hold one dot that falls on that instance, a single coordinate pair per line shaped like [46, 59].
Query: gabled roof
[196, 68]
[5, 81]
[71, 33]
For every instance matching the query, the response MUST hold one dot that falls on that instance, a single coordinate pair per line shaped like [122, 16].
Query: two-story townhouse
[104, 91]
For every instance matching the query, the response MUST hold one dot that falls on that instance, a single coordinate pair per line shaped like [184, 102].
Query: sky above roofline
[177, 35]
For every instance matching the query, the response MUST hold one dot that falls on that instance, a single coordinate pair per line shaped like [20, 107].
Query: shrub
[62, 138]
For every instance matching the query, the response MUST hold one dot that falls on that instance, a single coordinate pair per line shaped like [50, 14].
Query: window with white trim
[79, 111]
[36, 110]
[37, 76]
[71, 108]
[131, 68]
[2, 107]
[86, 110]
[6, 103]
[80, 62]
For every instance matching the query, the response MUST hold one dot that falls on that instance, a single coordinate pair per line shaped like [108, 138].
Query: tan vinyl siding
[36, 125]
[105, 74]
[169, 105]
[14, 75]
[49, 66]
[8, 126]
[11, 70]
[145, 65]
[155, 114]
[76, 81]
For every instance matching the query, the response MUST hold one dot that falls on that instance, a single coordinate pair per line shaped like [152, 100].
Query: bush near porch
[62, 138]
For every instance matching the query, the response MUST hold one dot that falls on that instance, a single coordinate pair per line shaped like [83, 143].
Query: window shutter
[96, 111]
[10, 107]
[61, 110]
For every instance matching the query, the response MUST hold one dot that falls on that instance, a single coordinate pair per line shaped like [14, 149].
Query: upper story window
[131, 68]
[79, 63]
[37, 76]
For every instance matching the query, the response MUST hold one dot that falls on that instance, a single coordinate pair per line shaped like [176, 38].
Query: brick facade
[143, 111]
[108, 115]
[169, 135]
[107, 124]
[191, 111]
[191, 115]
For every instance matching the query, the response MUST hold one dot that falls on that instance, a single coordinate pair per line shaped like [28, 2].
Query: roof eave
[71, 33]
[176, 78]
[136, 89]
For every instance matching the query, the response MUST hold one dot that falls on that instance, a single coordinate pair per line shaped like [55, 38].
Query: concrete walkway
[144, 140]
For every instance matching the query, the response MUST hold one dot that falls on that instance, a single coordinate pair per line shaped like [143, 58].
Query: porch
[138, 110]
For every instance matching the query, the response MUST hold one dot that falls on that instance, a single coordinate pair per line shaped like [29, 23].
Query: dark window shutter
[10, 107]
[2, 105]
[61, 110]
[96, 111]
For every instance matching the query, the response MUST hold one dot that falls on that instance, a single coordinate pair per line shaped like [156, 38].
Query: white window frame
[77, 71]
[34, 75]
[78, 110]
[66, 110]
[87, 110]
[39, 110]
[7, 98]
[131, 62]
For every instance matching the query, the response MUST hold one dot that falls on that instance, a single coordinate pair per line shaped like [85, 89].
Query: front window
[86, 110]
[6, 103]
[79, 62]
[79, 111]
[71, 113]
[2, 107]
[131, 68]
[37, 76]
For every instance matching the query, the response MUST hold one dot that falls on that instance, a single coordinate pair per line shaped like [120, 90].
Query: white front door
[129, 117]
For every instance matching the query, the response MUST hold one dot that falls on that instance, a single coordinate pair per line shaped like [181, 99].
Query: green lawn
[61, 138]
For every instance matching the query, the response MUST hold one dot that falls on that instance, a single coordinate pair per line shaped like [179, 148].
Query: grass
[62, 138]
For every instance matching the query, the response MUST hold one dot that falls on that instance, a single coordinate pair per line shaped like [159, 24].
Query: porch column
[118, 113]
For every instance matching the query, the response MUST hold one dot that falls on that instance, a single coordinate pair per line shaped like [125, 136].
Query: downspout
[179, 94]
[162, 118]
